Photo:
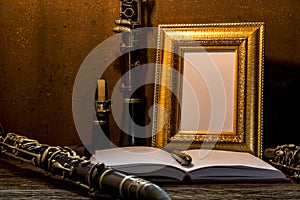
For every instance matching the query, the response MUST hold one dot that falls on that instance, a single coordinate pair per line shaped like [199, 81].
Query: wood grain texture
[22, 181]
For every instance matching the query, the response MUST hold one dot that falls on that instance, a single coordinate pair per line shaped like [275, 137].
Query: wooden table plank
[22, 181]
[234, 191]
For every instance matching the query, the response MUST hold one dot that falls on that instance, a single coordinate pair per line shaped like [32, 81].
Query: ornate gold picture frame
[210, 75]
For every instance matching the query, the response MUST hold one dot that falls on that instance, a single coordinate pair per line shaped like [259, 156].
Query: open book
[208, 165]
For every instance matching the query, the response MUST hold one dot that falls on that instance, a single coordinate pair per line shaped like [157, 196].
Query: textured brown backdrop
[44, 42]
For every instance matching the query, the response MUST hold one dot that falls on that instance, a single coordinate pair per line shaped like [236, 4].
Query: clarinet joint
[286, 158]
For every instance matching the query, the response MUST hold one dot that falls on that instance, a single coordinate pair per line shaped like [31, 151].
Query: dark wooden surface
[21, 181]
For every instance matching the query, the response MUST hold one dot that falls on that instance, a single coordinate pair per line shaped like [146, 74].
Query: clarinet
[286, 158]
[64, 162]
[130, 19]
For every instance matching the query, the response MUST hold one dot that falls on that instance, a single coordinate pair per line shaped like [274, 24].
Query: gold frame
[247, 40]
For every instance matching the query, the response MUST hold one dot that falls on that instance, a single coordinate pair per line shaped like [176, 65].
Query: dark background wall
[44, 42]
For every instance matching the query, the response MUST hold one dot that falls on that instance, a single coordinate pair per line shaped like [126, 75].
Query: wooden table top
[18, 181]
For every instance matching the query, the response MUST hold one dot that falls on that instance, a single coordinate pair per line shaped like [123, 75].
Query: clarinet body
[96, 178]
[286, 158]
[130, 19]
